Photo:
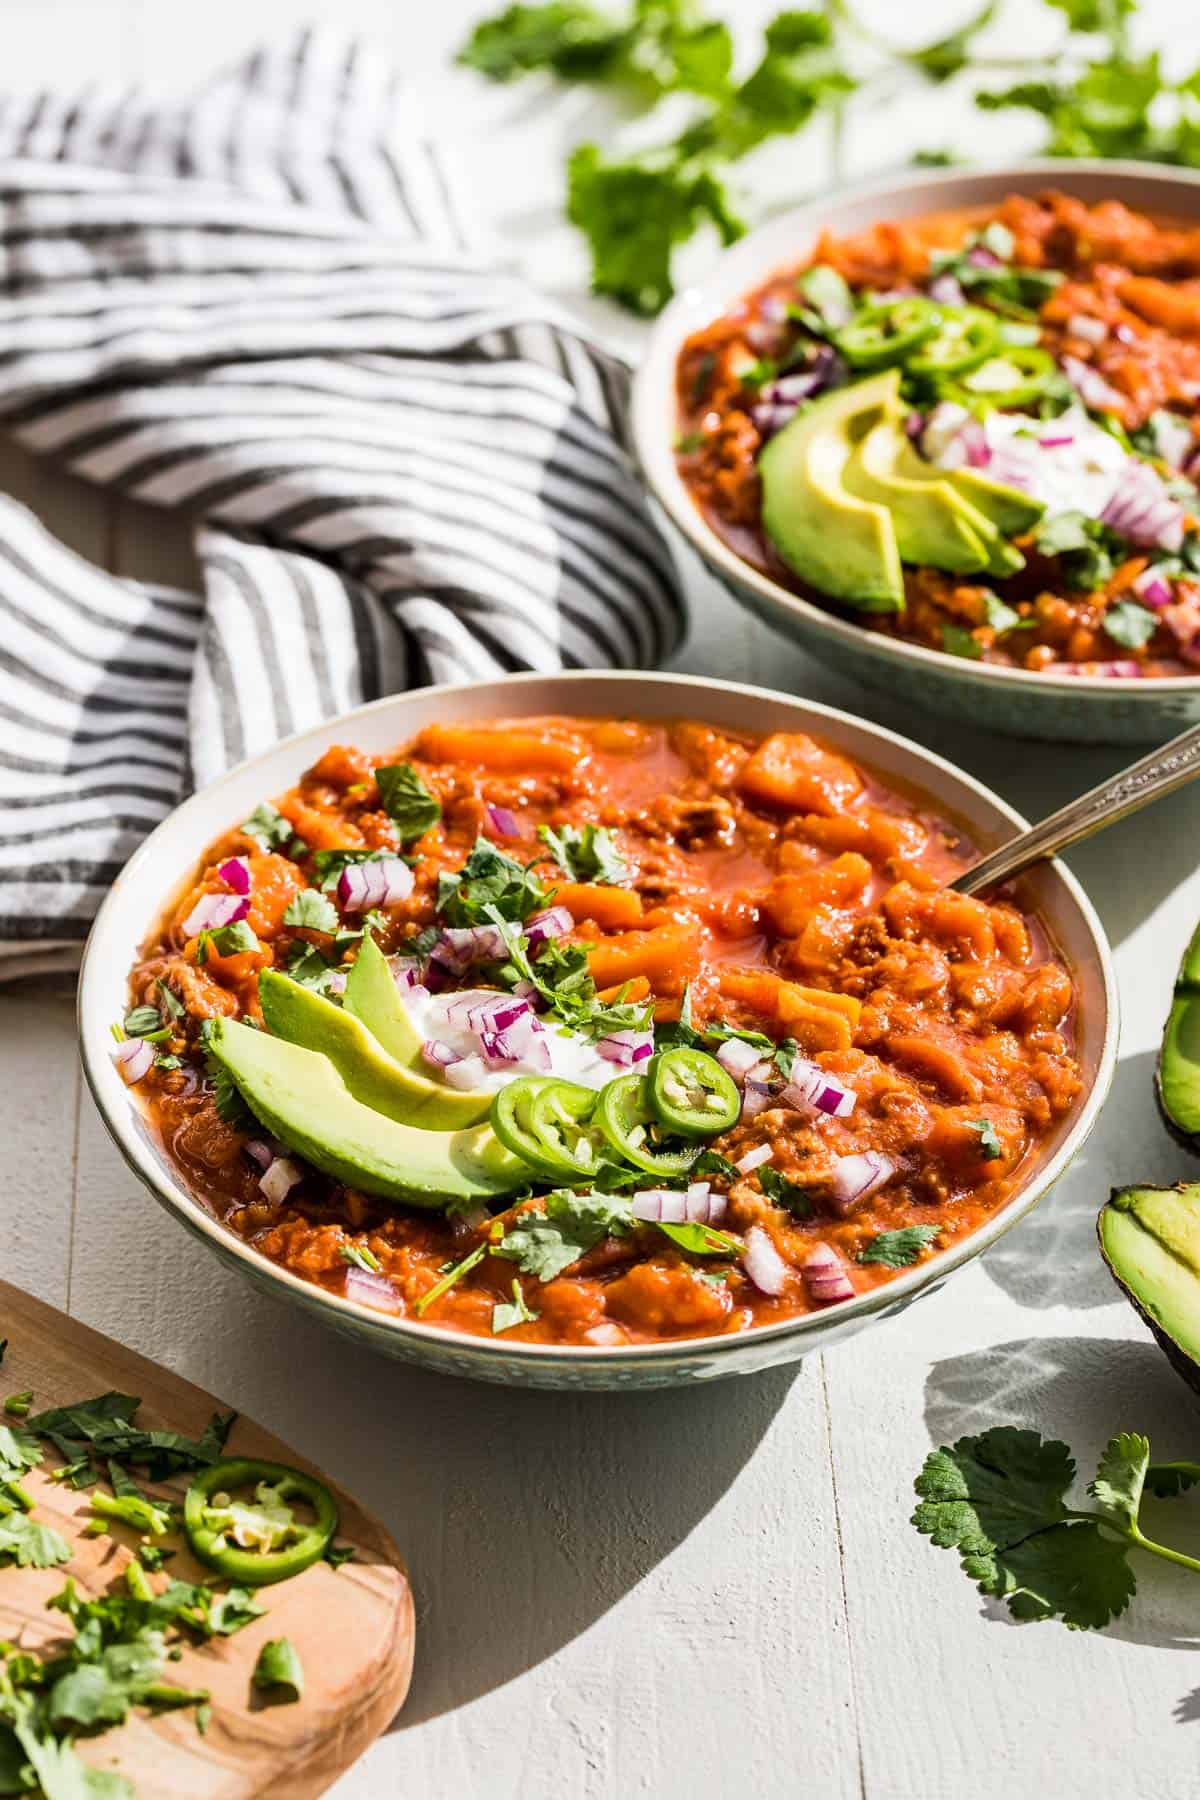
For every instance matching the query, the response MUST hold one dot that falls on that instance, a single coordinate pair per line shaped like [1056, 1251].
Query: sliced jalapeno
[888, 332]
[966, 336]
[512, 1123]
[691, 1094]
[214, 1520]
[559, 1115]
[631, 1126]
[1036, 372]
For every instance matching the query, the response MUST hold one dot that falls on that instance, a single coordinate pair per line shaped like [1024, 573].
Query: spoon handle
[1159, 773]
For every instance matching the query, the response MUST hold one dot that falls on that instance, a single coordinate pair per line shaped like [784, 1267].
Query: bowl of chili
[1025, 339]
[641, 921]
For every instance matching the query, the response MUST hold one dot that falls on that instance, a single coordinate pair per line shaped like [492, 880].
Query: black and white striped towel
[259, 305]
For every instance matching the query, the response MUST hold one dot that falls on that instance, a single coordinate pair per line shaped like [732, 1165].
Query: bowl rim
[173, 1194]
[691, 308]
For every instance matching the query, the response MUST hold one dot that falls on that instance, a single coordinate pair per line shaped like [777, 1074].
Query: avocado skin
[1123, 1200]
[1177, 1075]
[302, 1100]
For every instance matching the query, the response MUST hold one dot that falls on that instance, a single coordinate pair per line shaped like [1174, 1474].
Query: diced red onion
[738, 1058]
[757, 1097]
[809, 1089]
[1091, 386]
[134, 1059]
[461, 945]
[660, 1206]
[754, 1159]
[406, 973]
[947, 290]
[980, 257]
[825, 1276]
[763, 1263]
[212, 911]
[280, 1178]
[1141, 509]
[371, 1289]
[1092, 331]
[259, 1151]
[519, 1040]
[337, 981]
[914, 425]
[854, 1177]
[1152, 588]
[440, 1055]
[703, 1206]
[502, 820]
[780, 400]
[626, 1047]
[554, 922]
[1124, 666]
[469, 1072]
[1058, 442]
[384, 882]
[235, 873]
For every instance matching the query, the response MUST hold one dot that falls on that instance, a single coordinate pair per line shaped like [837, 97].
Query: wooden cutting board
[353, 1627]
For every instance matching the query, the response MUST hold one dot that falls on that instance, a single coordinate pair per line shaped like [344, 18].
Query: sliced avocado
[300, 1097]
[843, 545]
[372, 996]
[1150, 1239]
[1177, 1081]
[1008, 509]
[303, 1017]
[933, 524]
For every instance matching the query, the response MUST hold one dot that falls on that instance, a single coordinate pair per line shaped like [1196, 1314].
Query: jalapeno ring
[257, 1568]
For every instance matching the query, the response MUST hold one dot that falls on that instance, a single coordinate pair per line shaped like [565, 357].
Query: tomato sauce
[1135, 283]
[787, 890]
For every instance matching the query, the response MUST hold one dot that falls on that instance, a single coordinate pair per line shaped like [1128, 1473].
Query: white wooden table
[704, 1592]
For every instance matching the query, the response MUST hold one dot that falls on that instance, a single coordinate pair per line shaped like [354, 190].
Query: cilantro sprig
[585, 852]
[999, 1499]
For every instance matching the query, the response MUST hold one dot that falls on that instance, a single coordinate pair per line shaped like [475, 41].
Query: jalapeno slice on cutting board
[257, 1538]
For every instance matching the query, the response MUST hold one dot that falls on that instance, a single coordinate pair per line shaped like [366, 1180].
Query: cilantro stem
[1163, 1550]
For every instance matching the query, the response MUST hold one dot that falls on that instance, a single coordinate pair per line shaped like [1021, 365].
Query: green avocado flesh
[1178, 1076]
[301, 1098]
[847, 500]
[303, 1017]
[373, 997]
[1150, 1238]
[837, 542]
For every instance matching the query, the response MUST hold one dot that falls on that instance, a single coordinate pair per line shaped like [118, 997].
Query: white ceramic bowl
[1083, 709]
[166, 861]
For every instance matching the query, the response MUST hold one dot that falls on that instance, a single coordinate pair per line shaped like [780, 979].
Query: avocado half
[1177, 1078]
[1150, 1240]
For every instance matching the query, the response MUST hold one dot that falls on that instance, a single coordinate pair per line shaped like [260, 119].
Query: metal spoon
[1159, 773]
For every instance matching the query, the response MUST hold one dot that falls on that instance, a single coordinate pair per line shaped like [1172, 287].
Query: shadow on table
[525, 1515]
[1052, 1258]
[1086, 1390]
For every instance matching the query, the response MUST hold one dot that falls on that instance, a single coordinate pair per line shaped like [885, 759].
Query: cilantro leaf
[899, 1249]
[1129, 624]
[30, 1545]
[104, 1426]
[791, 1195]
[307, 966]
[228, 1101]
[407, 802]
[279, 1667]
[311, 911]
[958, 641]
[949, 55]
[574, 39]
[359, 1257]
[18, 1451]
[146, 1022]
[271, 831]
[711, 1162]
[1166, 1480]
[225, 940]
[701, 1240]
[559, 1229]
[337, 1555]
[989, 1143]
[1002, 617]
[1121, 1476]
[586, 853]
[490, 885]
[1072, 1572]
[506, 1315]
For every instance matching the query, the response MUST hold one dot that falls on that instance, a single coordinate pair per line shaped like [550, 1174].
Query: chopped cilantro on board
[999, 1499]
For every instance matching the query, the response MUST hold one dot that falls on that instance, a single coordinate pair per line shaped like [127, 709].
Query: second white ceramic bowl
[1086, 709]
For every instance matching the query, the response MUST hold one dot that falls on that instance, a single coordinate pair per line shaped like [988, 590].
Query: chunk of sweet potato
[789, 770]
[522, 751]
[613, 908]
[937, 1063]
[668, 956]
[793, 899]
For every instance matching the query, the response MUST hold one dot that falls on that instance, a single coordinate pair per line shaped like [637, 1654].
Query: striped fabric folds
[260, 306]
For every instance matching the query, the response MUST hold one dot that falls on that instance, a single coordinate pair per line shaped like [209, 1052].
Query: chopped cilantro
[170, 1003]
[701, 1240]
[337, 1555]
[1002, 617]
[137, 1510]
[168, 1063]
[989, 1143]
[759, 373]
[228, 1101]
[17, 1405]
[407, 802]
[28, 1544]
[271, 831]
[711, 1162]
[958, 641]
[311, 911]
[689, 441]
[453, 1274]
[490, 885]
[278, 1667]
[791, 1195]
[560, 1228]
[1129, 624]
[586, 853]
[506, 1315]
[307, 966]
[226, 940]
[899, 1249]
[104, 1426]
[359, 1257]
[1084, 546]
[826, 299]
[146, 1022]
[999, 1499]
